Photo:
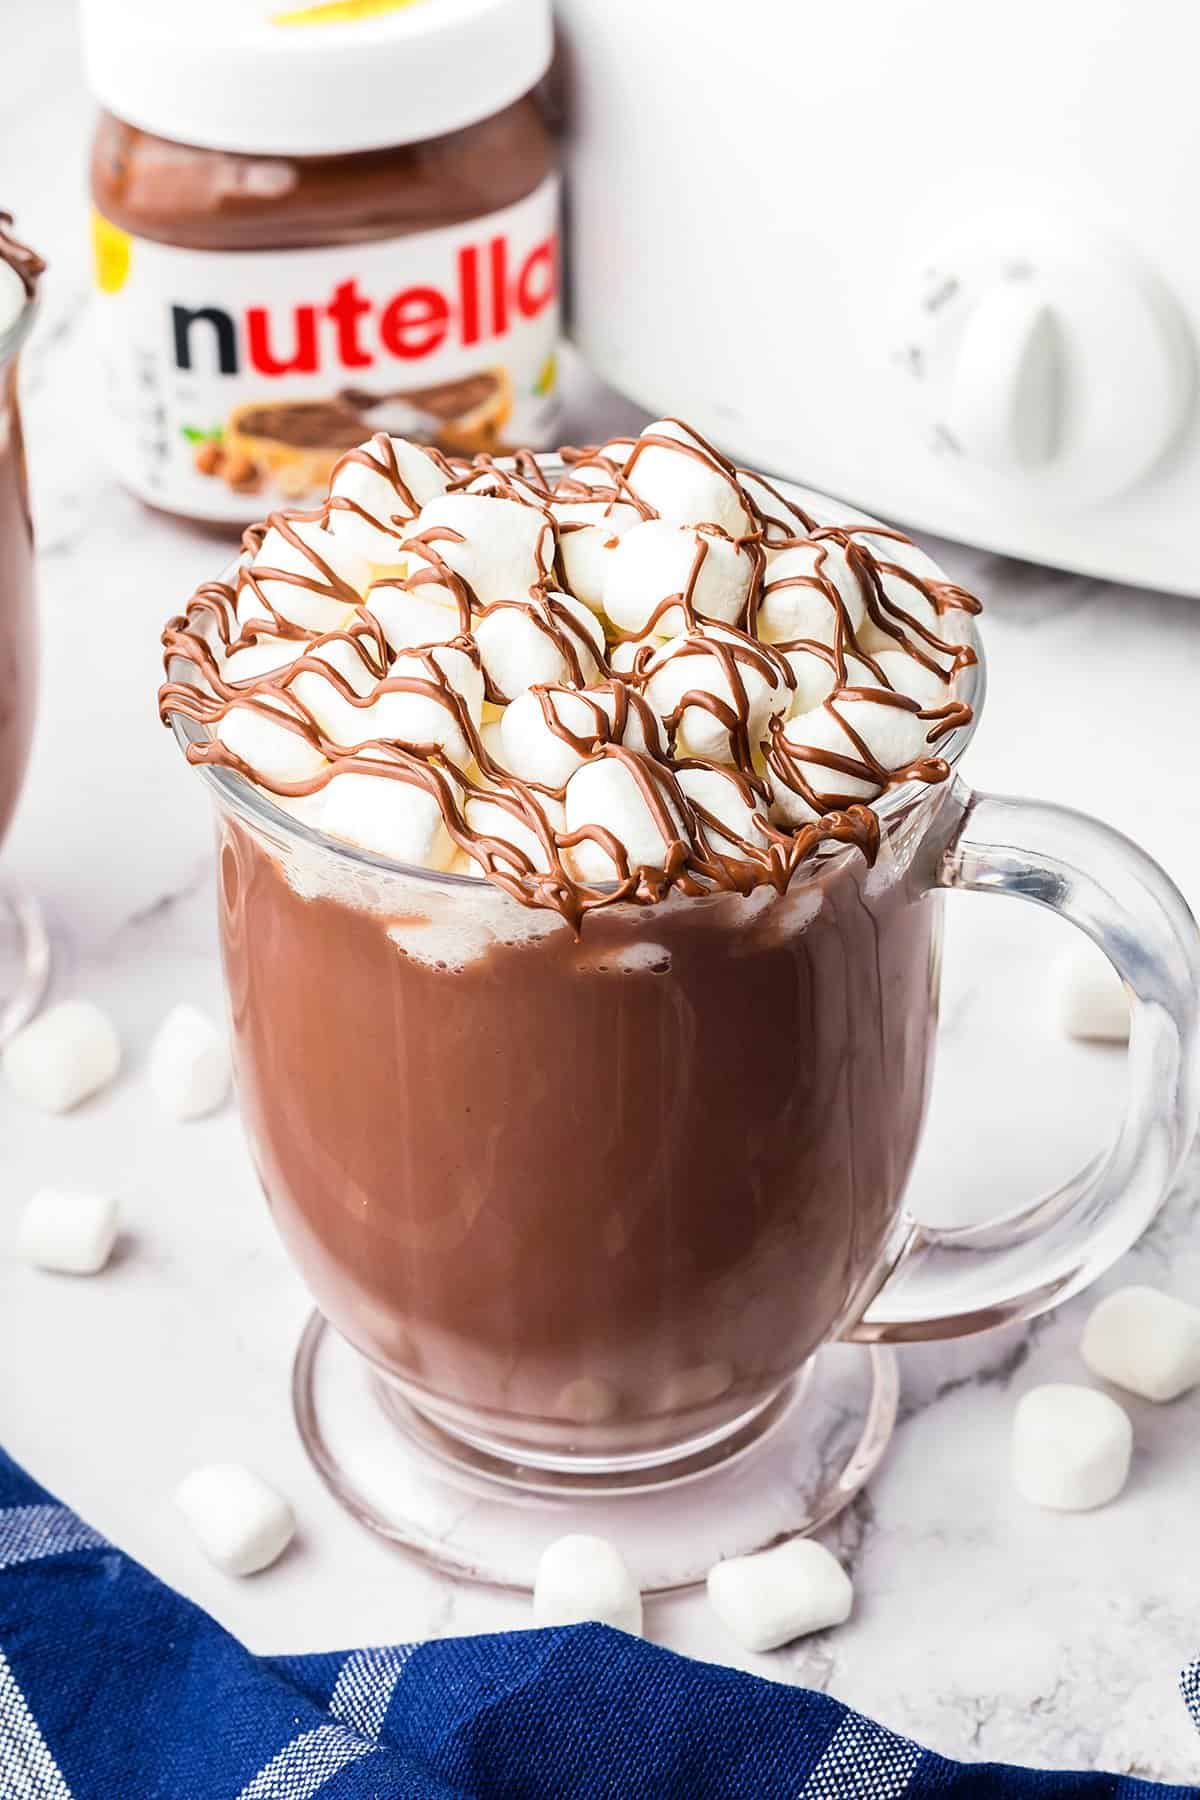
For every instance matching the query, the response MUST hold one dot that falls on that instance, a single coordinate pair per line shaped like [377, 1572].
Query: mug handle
[950, 1282]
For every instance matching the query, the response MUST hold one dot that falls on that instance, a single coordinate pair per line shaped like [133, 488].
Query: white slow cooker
[940, 259]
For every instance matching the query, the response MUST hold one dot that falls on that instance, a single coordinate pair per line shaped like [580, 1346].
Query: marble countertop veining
[982, 1627]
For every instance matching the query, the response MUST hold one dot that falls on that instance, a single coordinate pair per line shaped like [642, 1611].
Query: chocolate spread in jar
[351, 253]
[624, 1183]
[18, 644]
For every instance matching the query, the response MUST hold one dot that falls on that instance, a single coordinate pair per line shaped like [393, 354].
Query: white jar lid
[312, 77]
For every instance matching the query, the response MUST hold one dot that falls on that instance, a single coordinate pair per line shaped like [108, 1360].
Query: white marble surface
[982, 1627]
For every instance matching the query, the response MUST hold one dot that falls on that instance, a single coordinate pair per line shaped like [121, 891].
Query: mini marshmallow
[794, 607]
[606, 793]
[908, 676]
[902, 596]
[424, 478]
[1071, 1447]
[381, 500]
[393, 818]
[893, 734]
[63, 1056]
[262, 657]
[377, 536]
[424, 719]
[580, 1577]
[684, 665]
[613, 517]
[624, 655]
[240, 1522]
[336, 717]
[275, 752]
[411, 616]
[655, 559]
[1144, 1340]
[819, 730]
[504, 484]
[506, 548]
[780, 523]
[70, 1233]
[534, 751]
[720, 794]
[815, 679]
[491, 819]
[531, 748]
[591, 471]
[312, 611]
[189, 1064]
[518, 652]
[779, 1594]
[597, 527]
[901, 553]
[687, 486]
[1091, 998]
[491, 736]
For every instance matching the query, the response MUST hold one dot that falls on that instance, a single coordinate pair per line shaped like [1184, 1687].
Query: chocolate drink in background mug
[24, 947]
[589, 1157]
[19, 270]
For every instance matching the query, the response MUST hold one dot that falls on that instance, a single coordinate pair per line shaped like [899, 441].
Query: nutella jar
[312, 223]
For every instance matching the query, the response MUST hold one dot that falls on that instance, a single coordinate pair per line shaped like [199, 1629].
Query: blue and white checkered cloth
[112, 1687]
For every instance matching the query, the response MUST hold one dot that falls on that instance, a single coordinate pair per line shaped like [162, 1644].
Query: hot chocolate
[19, 270]
[583, 1001]
[624, 1183]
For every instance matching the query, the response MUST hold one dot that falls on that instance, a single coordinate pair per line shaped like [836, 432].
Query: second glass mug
[591, 1203]
[24, 947]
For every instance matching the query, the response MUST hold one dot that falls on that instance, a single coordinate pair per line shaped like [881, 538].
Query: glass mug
[588, 1204]
[24, 950]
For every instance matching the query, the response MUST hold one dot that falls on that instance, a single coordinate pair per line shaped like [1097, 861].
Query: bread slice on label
[292, 445]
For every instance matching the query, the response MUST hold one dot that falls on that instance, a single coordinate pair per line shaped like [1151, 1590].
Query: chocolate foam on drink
[699, 852]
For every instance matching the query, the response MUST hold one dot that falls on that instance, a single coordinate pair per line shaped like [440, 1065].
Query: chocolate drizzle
[701, 851]
[379, 455]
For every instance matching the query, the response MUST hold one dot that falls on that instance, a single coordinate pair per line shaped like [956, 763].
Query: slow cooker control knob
[1045, 360]
[1007, 388]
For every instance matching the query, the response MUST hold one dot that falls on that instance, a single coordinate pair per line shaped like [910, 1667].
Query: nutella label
[235, 379]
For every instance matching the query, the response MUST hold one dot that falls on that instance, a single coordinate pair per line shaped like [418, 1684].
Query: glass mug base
[785, 1469]
[24, 962]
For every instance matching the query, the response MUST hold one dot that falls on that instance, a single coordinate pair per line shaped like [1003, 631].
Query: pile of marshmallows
[571, 595]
